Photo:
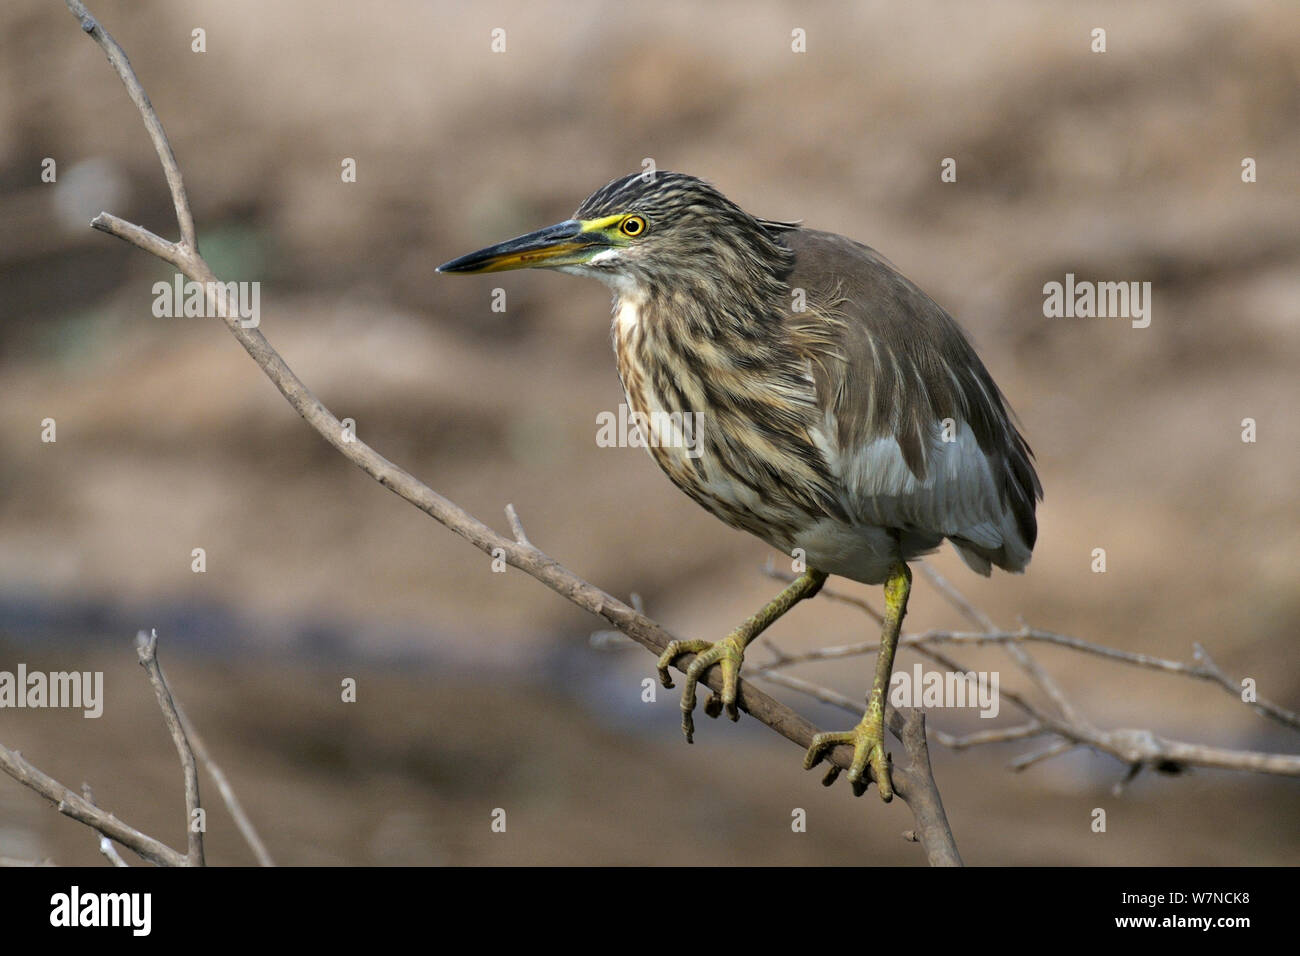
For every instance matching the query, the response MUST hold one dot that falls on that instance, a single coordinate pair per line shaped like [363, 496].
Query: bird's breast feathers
[769, 456]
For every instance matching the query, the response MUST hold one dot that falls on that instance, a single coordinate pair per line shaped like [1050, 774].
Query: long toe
[673, 651]
[727, 653]
[867, 741]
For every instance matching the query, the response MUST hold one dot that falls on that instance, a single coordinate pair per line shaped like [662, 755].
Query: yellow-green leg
[729, 652]
[868, 738]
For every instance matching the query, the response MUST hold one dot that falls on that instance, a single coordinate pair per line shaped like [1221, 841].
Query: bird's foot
[868, 743]
[728, 654]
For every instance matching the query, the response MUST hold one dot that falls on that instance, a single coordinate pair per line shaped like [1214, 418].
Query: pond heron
[844, 417]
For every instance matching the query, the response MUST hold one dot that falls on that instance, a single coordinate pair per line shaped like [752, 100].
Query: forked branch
[1062, 722]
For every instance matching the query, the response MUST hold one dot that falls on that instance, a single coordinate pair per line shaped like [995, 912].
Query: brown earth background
[480, 690]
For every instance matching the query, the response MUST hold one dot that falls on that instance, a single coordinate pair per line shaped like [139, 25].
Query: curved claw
[867, 741]
[728, 653]
[673, 651]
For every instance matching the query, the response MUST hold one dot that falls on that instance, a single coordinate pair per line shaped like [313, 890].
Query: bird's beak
[567, 243]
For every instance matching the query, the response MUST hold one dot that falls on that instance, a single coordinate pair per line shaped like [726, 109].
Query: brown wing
[890, 366]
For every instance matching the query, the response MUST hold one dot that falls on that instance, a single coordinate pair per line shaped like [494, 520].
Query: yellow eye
[632, 226]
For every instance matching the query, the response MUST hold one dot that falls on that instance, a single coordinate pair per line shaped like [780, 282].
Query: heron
[845, 418]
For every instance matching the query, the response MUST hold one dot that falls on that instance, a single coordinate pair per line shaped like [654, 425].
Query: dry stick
[1137, 748]
[105, 844]
[913, 785]
[1021, 656]
[1134, 747]
[146, 646]
[517, 527]
[1140, 747]
[117, 57]
[227, 792]
[1051, 750]
[82, 808]
[929, 813]
[1206, 670]
[979, 638]
[772, 571]
[978, 738]
[107, 825]
[1260, 705]
[78, 808]
[815, 691]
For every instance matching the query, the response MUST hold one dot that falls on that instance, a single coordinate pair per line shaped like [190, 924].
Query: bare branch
[1052, 750]
[996, 736]
[926, 807]
[1205, 669]
[609, 640]
[227, 792]
[815, 691]
[76, 806]
[1212, 671]
[1021, 656]
[831, 652]
[517, 527]
[830, 594]
[108, 826]
[957, 599]
[141, 237]
[1129, 746]
[146, 646]
[117, 57]
[105, 844]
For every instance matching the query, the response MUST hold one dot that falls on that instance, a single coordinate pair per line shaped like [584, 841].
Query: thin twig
[105, 844]
[957, 599]
[517, 526]
[1051, 750]
[983, 737]
[1204, 668]
[1021, 656]
[1215, 673]
[74, 805]
[1140, 746]
[830, 594]
[1129, 776]
[146, 647]
[108, 826]
[117, 57]
[1126, 745]
[927, 808]
[815, 691]
[241, 818]
[610, 640]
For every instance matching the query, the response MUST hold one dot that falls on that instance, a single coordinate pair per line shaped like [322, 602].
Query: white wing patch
[958, 497]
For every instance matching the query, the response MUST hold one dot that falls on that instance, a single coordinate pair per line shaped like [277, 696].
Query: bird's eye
[632, 226]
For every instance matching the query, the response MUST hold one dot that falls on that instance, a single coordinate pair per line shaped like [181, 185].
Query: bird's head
[666, 232]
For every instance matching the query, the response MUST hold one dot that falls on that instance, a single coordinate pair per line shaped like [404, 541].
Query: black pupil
[632, 226]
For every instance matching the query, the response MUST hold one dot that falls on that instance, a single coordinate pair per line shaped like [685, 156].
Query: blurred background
[479, 691]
